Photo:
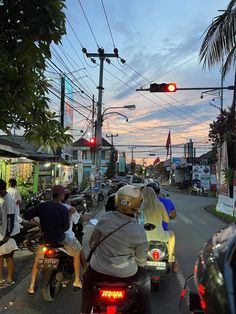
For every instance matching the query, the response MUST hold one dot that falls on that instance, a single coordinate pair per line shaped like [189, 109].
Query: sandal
[77, 288]
[31, 291]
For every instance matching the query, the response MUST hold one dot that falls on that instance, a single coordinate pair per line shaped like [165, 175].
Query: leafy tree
[27, 29]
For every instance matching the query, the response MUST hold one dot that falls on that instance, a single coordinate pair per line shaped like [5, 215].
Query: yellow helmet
[128, 199]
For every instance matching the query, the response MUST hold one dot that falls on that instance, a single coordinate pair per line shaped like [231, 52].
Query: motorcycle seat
[53, 245]
[118, 284]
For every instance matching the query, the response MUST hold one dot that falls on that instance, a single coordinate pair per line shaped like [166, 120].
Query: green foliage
[219, 41]
[24, 188]
[228, 176]
[27, 29]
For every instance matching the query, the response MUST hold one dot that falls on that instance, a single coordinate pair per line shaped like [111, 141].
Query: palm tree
[220, 40]
[220, 44]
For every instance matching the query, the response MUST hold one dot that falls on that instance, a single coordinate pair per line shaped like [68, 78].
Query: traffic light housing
[92, 142]
[163, 88]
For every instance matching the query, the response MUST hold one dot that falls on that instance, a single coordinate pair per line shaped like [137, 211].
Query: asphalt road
[192, 226]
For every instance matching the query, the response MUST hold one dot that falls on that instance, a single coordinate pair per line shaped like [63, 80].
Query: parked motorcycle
[33, 200]
[79, 202]
[29, 236]
[199, 190]
[157, 263]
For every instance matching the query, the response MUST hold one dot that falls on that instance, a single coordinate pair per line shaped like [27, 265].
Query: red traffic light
[171, 87]
[92, 141]
[163, 88]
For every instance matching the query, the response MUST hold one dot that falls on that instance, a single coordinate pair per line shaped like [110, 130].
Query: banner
[225, 205]
[68, 113]
[201, 175]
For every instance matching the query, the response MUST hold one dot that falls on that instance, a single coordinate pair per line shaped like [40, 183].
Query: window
[84, 154]
[75, 154]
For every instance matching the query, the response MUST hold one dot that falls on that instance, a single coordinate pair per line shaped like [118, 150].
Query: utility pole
[112, 136]
[102, 57]
[62, 101]
[62, 109]
[112, 156]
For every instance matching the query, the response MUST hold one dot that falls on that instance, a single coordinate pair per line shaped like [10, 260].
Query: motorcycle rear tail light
[47, 251]
[112, 295]
[155, 254]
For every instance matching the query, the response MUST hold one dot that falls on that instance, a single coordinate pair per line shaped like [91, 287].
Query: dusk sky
[161, 42]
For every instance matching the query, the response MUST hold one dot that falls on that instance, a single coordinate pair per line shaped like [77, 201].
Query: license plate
[157, 265]
[48, 263]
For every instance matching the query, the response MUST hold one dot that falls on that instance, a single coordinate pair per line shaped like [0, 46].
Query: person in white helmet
[122, 255]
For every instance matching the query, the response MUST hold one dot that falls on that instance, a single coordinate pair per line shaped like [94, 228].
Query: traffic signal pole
[102, 56]
[232, 87]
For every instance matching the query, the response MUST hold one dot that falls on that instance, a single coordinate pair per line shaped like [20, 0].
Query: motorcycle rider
[110, 203]
[170, 208]
[54, 221]
[122, 255]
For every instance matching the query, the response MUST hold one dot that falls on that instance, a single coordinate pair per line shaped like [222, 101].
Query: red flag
[168, 144]
[156, 161]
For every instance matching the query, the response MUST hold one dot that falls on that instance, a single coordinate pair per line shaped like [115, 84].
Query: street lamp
[114, 112]
[130, 107]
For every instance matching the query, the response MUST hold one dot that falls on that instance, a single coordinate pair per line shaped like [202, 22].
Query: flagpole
[171, 173]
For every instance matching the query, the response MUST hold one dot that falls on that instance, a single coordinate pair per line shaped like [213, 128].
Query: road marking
[185, 219]
[199, 220]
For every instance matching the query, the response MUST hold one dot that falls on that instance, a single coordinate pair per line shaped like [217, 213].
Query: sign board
[202, 175]
[225, 205]
[68, 114]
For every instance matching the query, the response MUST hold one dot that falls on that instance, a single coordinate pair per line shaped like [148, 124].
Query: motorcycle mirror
[149, 227]
[93, 221]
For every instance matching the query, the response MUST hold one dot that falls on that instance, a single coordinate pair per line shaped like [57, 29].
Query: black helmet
[155, 187]
[120, 185]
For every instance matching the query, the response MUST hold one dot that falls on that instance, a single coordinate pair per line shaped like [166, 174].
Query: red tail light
[202, 292]
[112, 295]
[47, 251]
[155, 254]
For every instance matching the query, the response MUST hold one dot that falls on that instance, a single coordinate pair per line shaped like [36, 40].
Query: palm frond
[229, 61]
[220, 40]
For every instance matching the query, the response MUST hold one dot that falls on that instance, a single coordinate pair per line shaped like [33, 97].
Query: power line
[91, 30]
[108, 24]
[158, 105]
[75, 33]
[68, 104]
[180, 109]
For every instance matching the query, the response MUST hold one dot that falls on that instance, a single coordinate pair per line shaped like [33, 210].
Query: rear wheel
[50, 286]
[155, 286]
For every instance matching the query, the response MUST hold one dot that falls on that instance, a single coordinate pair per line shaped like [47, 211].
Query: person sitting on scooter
[54, 221]
[153, 211]
[122, 255]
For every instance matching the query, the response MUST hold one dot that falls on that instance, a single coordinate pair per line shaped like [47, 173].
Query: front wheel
[50, 285]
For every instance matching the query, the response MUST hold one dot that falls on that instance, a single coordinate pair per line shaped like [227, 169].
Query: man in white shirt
[15, 194]
[9, 228]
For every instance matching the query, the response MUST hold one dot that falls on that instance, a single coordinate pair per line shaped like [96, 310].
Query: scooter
[199, 190]
[157, 263]
[79, 202]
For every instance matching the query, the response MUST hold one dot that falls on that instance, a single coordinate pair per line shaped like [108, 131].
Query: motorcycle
[115, 298]
[29, 237]
[33, 200]
[214, 275]
[157, 264]
[199, 190]
[56, 269]
[79, 202]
